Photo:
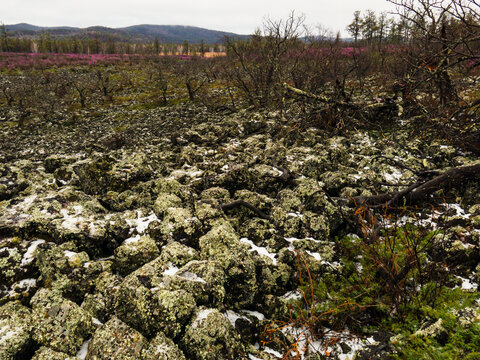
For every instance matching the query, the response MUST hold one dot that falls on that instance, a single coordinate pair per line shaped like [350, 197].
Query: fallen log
[419, 190]
[238, 203]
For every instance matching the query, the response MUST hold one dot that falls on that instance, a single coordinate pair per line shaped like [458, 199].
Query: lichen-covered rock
[203, 279]
[150, 308]
[222, 245]
[53, 162]
[116, 340]
[53, 260]
[210, 335]
[94, 175]
[134, 252]
[178, 254]
[162, 348]
[64, 268]
[103, 173]
[11, 255]
[171, 311]
[180, 225]
[217, 194]
[101, 303]
[143, 302]
[59, 323]
[165, 201]
[15, 330]
[45, 353]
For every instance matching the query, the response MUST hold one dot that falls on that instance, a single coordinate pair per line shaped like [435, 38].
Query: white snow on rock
[172, 270]
[132, 240]
[6, 333]
[23, 285]
[28, 256]
[257, 314]
[142, 223]
[315, 255]
[191, 277]
[260, 250]
[202, 315]
[394, 176]
[273, 352]
[232, 316]
[467, 284]
[82, 353]
[292, 295]
[69, 254]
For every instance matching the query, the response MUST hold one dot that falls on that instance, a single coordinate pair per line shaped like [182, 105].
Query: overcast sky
[239, 16]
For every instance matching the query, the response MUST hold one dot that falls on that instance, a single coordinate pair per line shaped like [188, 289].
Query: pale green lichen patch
[116, 340]
[59, 323]
[15, 330]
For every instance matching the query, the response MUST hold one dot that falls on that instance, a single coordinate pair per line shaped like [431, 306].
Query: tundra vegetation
[300, 197]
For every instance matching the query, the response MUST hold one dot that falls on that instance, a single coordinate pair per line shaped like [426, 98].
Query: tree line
[45, 43]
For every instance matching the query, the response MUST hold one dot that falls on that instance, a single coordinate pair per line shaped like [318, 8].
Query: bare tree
[261, 62]
[445, 34]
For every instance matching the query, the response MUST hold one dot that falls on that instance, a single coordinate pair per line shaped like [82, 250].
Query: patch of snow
[315, 255]
[191, 277]
[27, 202]
[460, 212]
[257, 314]
[394, 176]
[6, 334]
[69, 254]
[162, 349]
[277, 171]
[69, 222]
[232, 316]
[467, 284]
[143, 223]
[202, 315]
[97, 322]
[28, 256]
[82, 353]
[172, 270]
[295, 214]
[260, 250]
[292, 295]
[273, 352]
[253, 357]
[132, 240]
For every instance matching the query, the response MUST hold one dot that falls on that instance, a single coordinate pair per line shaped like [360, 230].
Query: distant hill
[136, 33]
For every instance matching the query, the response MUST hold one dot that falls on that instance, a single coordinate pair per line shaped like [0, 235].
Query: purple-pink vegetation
[33, 60]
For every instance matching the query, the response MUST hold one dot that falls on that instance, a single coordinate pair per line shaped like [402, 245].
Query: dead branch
[420, 189]
[238, 203]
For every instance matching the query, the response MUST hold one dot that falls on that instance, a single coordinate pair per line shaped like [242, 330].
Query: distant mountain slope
[136, 33]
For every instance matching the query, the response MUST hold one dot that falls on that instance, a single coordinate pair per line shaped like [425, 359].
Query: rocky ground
[114, 243]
